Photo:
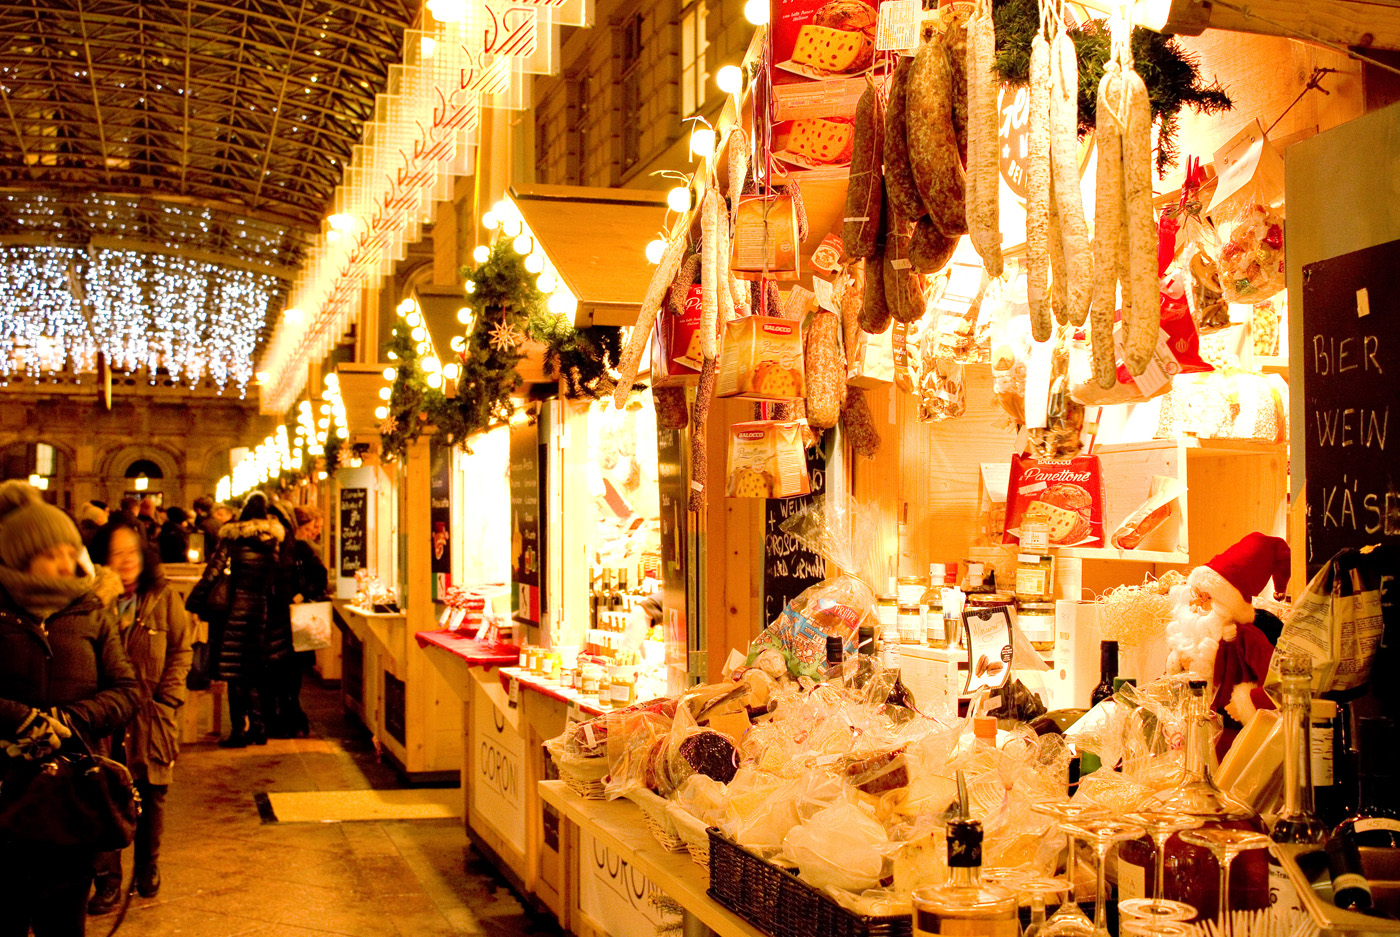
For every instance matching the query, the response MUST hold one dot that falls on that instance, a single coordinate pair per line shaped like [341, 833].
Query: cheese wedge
[832, 50]
[822, 141]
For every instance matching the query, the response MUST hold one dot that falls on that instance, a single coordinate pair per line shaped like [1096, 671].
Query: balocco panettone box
[1066, 493]
[766, 460]
[762, 359]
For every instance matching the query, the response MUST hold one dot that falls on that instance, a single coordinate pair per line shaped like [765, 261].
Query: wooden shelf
[1126, 556]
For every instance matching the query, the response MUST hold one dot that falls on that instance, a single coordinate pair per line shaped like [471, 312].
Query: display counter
[616, 864]
[388, 683]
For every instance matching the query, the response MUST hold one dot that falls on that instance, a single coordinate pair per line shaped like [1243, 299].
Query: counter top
[619, 824]
[553, 689]
[368, 613]
[475, 653]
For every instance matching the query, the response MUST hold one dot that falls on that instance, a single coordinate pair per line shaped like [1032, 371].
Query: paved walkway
[227, 873]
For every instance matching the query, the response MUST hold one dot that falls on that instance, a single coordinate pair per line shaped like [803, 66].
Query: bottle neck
[965, 876]
[1296, 713]
[1197, 743]
[1108, 662]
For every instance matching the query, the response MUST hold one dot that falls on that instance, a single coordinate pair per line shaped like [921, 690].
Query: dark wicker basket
[779, 903]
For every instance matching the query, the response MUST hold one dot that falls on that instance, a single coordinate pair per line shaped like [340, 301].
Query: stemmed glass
[1036, 889]
[1157, 928]
[1225, 845]
[1102, 834]
[1160, 826]
[1068, 920]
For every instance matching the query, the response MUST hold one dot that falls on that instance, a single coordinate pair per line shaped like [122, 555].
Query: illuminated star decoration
[389, 427]
[505, 336]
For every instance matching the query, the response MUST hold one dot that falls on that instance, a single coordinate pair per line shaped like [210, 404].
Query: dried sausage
[1064, 164]
[1108, 222]
[983, 148]
[933, 144]
[661, 278]
[864, 192]
[1038, 191]
[1141, 336]
[900, 189]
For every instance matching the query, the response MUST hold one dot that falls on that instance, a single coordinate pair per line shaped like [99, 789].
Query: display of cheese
[826, 142]
[832, 50]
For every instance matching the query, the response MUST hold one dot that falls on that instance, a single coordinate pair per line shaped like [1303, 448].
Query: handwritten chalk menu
[788, 566]
[526, 525]
[354, 551]
[1351, 384]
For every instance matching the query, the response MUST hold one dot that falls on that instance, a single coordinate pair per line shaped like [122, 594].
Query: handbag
[311, 626]
[76, 799]
[201, 673]
[211, 596]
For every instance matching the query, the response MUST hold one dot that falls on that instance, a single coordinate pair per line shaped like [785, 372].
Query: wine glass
[1034, 889]
[1068, 920]
[1225, 845]
[1102, 834]
[1155, 928]
[1160, 826]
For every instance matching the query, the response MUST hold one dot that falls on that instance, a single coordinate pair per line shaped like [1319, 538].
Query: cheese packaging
[1066, 493]
[762, 359]
[675, 343]
[821, 50]
[765, 243]
[766, 460]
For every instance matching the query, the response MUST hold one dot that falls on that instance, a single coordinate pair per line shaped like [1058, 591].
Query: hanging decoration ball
[655, 249]
[730, 79]
[481, 254]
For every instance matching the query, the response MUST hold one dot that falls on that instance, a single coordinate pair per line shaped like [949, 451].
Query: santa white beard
[1194, 637]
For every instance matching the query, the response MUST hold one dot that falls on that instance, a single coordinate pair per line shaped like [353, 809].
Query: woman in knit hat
[62, 671]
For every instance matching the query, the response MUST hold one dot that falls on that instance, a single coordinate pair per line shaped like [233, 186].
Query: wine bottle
[835, 660]
[865, 662]
[1297, 823]
[1350, 888]
[1323, 738]
[1376, 820]
[1108, 669]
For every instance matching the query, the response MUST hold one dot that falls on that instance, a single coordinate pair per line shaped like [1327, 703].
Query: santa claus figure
[1217, 634]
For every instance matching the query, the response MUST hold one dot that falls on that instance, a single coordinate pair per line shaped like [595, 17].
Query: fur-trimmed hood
[268, 530]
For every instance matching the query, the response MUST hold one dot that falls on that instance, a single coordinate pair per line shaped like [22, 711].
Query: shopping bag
[311, 626]
[1337, 621]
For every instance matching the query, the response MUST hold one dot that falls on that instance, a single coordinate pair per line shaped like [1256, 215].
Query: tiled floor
[227, 873]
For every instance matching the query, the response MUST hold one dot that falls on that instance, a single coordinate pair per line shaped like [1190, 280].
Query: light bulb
[405, 307]
[702, 143]
[332, 379]
[390, 373]
[427, 46]
[423, 349]
[381, 412]
[323, 423]
[471, 287]
[431, 364]
[393, 356]
[730, 79]
[654, 251]
[414, 319]
[511, 227]
[419, 333]
[325, 409]
[448, 11]
[341, 222]
[563, 303]
[481, 254]
[535, 262]
[450, 371]
[523, 244]
[260, 377]
[546, 282]
[679, 199]
[292, 316]
[458, 343]
[384, 393]
[756, 12]
[434, 380]
[489, 221]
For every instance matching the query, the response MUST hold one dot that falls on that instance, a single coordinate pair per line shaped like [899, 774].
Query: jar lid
[1032, 558]
[909, 610]
[1036, 606]
[885, 598]
[990, 598]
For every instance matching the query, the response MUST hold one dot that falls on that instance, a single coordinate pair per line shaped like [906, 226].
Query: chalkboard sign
[526, 523]
[440, 514]
[789, 567]
[1351, 383]
[354, 552]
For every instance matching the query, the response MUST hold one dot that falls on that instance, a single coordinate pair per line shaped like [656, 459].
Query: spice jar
[910, 622]
[1037, 622]
[1035, 577]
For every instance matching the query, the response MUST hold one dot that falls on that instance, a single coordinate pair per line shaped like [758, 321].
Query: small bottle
[1297, 823]
[963, 905]
[835, 660]
[1323, 744]
[1376, 821]
[1351, 890]
[865, 660]
[1108, 669]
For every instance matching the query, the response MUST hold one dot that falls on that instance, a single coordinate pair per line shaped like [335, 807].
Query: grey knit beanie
[28, 526]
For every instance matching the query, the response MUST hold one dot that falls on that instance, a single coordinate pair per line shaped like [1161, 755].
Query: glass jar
[976, 600]
[910, 621]
[935, 632]
[910, 589]
[887, 614]
[1037, 623]
[1035, 577]
[592, 677]
[622, 686]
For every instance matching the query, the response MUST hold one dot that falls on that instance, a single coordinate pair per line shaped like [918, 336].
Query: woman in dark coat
[174, 537]
[62, 672]
[158, 637]
[255, 633]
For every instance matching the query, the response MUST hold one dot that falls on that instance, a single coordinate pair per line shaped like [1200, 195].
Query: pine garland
[1171, 74]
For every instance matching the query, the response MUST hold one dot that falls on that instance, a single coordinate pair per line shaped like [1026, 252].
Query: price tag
[575, 713]
[513, 693]
[898, 26]
[825, 299]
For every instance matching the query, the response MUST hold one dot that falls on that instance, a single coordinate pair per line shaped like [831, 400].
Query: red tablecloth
[475, 653]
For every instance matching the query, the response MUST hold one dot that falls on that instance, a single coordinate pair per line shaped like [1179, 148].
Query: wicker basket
[693, 832]
[755, 889]
[584, 776]
[659, 821]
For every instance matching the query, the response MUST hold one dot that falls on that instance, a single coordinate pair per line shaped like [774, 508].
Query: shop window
[694, 46]
[631, 91]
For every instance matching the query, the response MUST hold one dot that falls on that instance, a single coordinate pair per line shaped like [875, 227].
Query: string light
[702, 143]
[730, 79]
[655, 249]
[756, 12]
[680, 199]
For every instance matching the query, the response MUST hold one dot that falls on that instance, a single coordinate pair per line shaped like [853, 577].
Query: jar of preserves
[592, 676]
[910, 621]
[1035, 577]
[1037, 623]
[990, 600]
[622, 686]
[935, 631]
[887, 614]
[910, 589]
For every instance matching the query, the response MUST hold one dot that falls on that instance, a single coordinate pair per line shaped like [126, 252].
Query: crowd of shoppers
[95, 650]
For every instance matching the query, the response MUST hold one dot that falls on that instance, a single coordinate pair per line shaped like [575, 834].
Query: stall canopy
[596, 241]
[359, 389]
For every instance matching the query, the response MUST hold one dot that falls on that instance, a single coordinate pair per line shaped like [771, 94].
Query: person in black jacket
[254, 634]
[173, 541]
[310, 583]
[63, 671]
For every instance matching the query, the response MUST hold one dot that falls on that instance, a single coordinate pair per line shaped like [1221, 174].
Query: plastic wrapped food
[942, 394]
[1251, 260]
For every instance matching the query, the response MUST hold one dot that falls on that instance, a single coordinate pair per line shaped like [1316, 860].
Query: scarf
[42, 596]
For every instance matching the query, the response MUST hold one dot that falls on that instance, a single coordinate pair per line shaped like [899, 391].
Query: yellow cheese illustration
[833, 50]
[822, 141]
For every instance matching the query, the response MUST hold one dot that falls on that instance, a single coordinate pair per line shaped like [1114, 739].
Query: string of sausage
[1038, 190]
[1141, 278]
[1108, 224]
[983, 147]
[1064, 165]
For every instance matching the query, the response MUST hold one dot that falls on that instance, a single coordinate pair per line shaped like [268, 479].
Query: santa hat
[1240, 573]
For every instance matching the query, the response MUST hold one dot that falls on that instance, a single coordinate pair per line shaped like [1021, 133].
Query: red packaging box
[1066, 492]
[821, 50]
[675, 343]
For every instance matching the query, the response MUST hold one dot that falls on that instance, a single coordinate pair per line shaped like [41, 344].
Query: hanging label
[898, 26]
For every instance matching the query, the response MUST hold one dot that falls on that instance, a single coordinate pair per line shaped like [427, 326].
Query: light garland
[62, 306]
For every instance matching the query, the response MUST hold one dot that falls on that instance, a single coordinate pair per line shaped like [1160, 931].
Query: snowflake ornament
[505, 336]
[389, 426]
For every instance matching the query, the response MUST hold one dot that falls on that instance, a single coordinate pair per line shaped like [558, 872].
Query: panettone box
[821, 51]
[1067, 493]
[675, 343]
[766, 460]
[762, 359]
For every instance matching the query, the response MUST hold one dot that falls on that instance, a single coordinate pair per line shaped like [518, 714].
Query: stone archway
[112, 473]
